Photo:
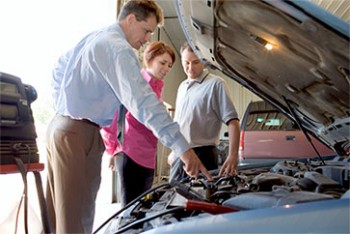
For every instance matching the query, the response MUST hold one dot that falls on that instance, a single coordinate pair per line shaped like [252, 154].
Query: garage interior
[172, 34]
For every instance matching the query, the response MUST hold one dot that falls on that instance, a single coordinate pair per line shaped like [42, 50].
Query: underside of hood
[290, 53]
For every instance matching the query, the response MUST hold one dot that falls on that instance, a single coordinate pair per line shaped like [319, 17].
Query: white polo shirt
[202, 105]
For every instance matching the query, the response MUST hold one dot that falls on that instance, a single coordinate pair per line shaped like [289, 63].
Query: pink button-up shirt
[139, 142]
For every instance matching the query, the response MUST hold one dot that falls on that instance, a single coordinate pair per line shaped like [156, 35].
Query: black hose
[149, 218]
[130, 204]
[16, 148]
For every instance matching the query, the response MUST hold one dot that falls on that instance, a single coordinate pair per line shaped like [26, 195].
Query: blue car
[295, 56]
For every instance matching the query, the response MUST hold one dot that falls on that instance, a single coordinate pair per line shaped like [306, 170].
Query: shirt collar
[151, 80]
[116, 26]
[199, 79]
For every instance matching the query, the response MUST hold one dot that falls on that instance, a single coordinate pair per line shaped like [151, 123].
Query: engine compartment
[254, 187]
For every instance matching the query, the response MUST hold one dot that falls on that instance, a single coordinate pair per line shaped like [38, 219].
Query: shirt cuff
[180, 146]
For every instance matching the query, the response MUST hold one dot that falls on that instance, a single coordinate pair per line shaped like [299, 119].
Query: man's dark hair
[142, 10]
[185, 46]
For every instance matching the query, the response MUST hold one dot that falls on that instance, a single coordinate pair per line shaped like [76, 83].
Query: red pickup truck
[267, 133]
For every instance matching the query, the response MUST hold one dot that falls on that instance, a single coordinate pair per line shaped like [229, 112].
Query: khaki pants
[74, 150]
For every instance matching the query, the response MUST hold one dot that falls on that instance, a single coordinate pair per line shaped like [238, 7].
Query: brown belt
[90, 122]
[82, 120]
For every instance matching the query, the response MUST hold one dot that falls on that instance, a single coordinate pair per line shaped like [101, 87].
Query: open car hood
[306, 72]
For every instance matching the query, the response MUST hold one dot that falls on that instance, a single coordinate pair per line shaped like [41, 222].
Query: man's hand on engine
[229, 168]
[193, 166]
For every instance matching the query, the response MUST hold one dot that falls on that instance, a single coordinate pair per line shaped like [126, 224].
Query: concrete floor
[103, 212]
[11, 193]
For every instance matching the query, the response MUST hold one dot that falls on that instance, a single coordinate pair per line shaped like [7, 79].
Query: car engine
[254, 187]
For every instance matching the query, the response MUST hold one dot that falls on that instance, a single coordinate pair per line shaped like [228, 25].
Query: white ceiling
[340, 8]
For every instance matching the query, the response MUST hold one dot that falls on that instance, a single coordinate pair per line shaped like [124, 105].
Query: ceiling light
[268, 46]
[262, 42]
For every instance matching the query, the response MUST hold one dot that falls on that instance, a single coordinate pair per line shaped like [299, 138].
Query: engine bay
[279, 184]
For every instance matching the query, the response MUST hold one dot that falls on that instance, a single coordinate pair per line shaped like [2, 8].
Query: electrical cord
[16, 149]
[17, 214]
[130, 204]
[149, 218]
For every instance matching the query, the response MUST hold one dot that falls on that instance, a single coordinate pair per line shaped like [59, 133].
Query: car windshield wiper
[297, 120]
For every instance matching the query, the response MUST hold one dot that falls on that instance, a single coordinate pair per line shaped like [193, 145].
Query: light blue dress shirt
[102, 72]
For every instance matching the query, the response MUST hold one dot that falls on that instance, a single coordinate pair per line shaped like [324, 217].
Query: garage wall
[176, 74]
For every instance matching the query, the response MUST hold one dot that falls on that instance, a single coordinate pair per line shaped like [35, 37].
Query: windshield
[269, 121]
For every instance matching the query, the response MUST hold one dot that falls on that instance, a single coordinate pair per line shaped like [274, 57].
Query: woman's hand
[111, 164]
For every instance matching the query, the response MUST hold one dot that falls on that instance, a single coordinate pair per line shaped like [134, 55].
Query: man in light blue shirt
[91, 82]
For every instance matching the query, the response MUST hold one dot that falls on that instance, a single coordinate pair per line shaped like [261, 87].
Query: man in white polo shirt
[202, 105]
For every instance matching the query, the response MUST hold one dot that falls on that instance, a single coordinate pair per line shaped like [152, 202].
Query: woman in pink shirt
[136, 157]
